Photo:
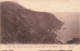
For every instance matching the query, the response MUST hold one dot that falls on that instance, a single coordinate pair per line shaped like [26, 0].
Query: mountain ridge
[21, 25]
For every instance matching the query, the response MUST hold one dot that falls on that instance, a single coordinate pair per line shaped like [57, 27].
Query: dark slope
[21, 25]
[74, 41]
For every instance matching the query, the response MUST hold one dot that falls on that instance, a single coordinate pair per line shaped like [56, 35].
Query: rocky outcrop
[74, 41]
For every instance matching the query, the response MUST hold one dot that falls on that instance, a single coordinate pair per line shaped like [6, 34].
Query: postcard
[39, 25]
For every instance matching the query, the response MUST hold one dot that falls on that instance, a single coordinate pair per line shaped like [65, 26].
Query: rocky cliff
[22, 25]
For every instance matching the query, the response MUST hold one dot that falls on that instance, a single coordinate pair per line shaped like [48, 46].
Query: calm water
[71, 27]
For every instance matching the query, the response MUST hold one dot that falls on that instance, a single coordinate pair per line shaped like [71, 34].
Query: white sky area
[50, 5]
[67, 11]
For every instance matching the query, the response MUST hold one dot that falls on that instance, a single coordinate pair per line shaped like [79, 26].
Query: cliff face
[21, 25]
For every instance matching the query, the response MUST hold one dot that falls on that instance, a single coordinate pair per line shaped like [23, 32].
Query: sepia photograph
[39, 25]
[22, 25]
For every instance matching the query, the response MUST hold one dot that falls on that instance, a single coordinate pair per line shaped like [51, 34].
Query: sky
[67, 11]
[50, 5]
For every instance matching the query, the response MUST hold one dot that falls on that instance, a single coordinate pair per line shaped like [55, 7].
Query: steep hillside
[21, 25]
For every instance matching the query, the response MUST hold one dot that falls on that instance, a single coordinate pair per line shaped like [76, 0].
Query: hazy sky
[67, 11]
[51, 5]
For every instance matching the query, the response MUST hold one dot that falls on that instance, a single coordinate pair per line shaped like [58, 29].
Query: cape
[22, 25]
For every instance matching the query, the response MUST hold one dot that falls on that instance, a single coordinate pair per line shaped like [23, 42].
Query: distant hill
[22, 25]
[74, 41]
